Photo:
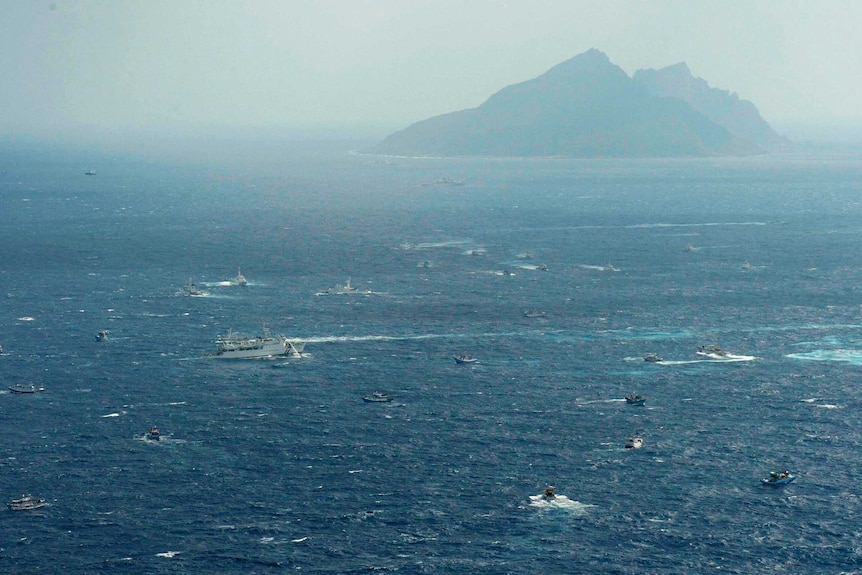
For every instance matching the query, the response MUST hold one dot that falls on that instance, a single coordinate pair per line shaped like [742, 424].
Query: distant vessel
[778, 478]
[343, 290]
[635, 399]
[444, 182]
[154, 434]
[653, 358]
[634, 443]
[90, 173]
[102, 335]
[548, 494]
[232, 346]
[239, 279]
[25, 503]
[712, 350]
[190, 289]
[465, 359]
[377, 397]
[534, 313]
[25, 389]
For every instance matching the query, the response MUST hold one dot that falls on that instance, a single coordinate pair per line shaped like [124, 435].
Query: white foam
[112, 415]
[559, 502]
[26, 318]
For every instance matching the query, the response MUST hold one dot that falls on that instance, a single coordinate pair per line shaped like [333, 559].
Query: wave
[560, 502]
[851, 356]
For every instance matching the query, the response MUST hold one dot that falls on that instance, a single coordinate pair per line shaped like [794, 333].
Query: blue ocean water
[276, 466]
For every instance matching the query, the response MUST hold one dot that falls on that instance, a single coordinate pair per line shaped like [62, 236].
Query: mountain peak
[585, 106]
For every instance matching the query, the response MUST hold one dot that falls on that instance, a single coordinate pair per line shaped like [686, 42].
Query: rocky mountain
[583, 107]
[740, 117]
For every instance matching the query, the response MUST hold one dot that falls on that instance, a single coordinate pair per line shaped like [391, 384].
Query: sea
[558, 275]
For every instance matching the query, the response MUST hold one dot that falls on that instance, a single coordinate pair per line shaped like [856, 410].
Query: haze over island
[589, 107]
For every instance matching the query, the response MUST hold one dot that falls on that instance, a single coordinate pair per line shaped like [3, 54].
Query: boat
[102, 335]
[343, 290]
[533, 313]
[634, 443]
[653, 358]
[465, 359]
[90, 173]
[444, 182]
[154, 434]
[25, 388]
[712, 350]
[635, 399]
[778, 478]
[190, 289]
[232, 346]
[548, 494]
[25, 503]
[377, 397]
[239, 279]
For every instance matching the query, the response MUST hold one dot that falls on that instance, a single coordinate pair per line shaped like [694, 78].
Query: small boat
[711, 350]
[653, 358]
[465, 359]
[154, 434]
[239, 279]
[548, 494]
[778, 478]
[190, 289]
[634, 443]
[25, 503]
[346, 289]
[635, 399]
[90, 173]
[377, 397]
[25, 388]
[534, 313]
[102, 335]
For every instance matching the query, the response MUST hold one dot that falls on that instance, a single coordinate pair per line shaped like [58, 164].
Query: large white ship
[232, 346]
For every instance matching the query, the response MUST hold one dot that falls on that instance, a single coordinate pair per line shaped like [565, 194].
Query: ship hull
[257, 348]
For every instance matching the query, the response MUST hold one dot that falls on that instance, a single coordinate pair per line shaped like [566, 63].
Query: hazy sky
[383, 64]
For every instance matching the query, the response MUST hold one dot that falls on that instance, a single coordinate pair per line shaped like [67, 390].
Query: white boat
[102, 335]
[377, 397]
[346, 289]
[25, 503]
[239, 279]
[634, 443]
[21, 388]
[653, 358]
[232, 346]
[465, 359]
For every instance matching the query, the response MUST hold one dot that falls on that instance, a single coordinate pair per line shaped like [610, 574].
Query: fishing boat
[465, 359]
[635, 399]
[653, 358]
[377, 397]
[778, 478]
[345, 289]
[25, 503]
[154, 434]
[634, 443]
[239, 279]
[190, 289]
[21, 388]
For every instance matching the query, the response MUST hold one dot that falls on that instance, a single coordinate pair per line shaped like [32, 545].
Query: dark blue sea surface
[558, 275]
